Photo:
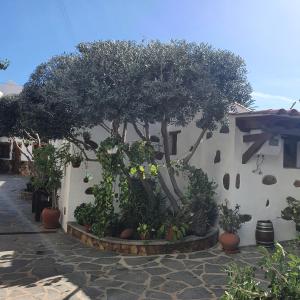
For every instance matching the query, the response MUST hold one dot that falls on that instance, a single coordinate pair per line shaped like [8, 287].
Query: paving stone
[186, 277]
[135, 288]
[118, 294]
[157, 271]
[104, 283]
[158, 295]
[173, 286]
[195, 293]
[156, 281]
[201, 254]
[135, 261]
[214, 279]
[173, 264]
[211, 268]
[218, 292]
[132, 276]
[106, 260]
[88, 266]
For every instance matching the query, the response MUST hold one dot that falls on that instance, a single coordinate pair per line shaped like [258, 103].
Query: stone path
[52, 266]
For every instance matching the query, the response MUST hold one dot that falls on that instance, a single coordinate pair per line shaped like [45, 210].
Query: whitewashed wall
[252, 194]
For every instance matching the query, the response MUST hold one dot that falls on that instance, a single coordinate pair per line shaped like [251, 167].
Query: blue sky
[265, 33]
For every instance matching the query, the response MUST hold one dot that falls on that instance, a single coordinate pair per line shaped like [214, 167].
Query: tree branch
[124, 133]
[165, 136]
[186, 159]
[79, 144]
[139, 133]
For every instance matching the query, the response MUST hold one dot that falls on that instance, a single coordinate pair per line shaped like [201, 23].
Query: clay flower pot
[170, 234]
[50, 218]
[229, 242]
[87, 227]
[126, 233]
[144, 236]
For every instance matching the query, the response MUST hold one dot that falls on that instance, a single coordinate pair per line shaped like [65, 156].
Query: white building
[255, 162]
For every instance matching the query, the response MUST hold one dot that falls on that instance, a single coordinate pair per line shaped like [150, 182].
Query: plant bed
[143, 247]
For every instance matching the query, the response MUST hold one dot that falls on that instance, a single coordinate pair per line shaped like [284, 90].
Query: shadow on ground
[55, 266]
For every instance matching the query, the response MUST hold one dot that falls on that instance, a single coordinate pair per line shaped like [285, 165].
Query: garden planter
[50, 218]
[229, 242]
[126, 233]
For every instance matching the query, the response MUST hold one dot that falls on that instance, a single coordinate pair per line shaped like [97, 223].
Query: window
[5, 150]
[173, 141]
[291, 155]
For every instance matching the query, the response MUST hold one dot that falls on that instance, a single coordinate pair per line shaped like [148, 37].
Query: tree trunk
[171, 171]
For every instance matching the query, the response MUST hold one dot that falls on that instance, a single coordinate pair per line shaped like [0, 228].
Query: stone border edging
[139, 247]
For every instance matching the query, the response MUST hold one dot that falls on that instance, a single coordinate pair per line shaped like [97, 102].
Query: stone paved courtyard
[52, 266]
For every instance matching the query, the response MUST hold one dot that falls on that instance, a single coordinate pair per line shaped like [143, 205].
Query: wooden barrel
[264, 233]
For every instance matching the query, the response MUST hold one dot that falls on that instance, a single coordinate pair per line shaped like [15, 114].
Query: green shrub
[282, 270]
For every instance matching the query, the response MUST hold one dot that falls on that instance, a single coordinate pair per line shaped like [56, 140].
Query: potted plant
[292, 212]
[48, 167]
[174, 228]
[144, 231]
[76, 160]
[88, 216]
[230, 221]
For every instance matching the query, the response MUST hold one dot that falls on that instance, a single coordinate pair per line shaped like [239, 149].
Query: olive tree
[125, 82]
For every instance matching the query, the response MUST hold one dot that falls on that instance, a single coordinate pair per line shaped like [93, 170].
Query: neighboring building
[255, 162]
[11, 158]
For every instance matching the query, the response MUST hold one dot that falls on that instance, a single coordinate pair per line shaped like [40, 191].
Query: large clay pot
[229, 241]
[50, 218]
[126, 233]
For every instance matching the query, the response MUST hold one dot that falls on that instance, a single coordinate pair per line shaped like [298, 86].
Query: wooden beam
[254, 148]
[253, 137]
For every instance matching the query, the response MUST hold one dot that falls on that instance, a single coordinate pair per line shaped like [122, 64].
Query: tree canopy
[4, 63]
[129, 81]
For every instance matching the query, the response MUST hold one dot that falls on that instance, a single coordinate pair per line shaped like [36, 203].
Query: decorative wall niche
[217, 157]
[238, 181]
[224, 129]
[297, 183]
[226, 181]
[209, 135]
[89, 191]
[269, 180]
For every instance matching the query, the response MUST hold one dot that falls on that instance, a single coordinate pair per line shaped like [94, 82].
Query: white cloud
[270, 97]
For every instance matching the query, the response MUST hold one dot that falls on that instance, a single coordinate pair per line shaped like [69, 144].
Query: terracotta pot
[126, 233]
[144, 236]
[170, 234]
[87, 227]
[50, 218]
[229, 241]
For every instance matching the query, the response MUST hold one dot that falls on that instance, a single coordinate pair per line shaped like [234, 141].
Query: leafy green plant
[48, 169]
[79, 213]
[174, 227]
[230, 219]
[282, 270]
[292, 211]
[144, 230]
[200, 200]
